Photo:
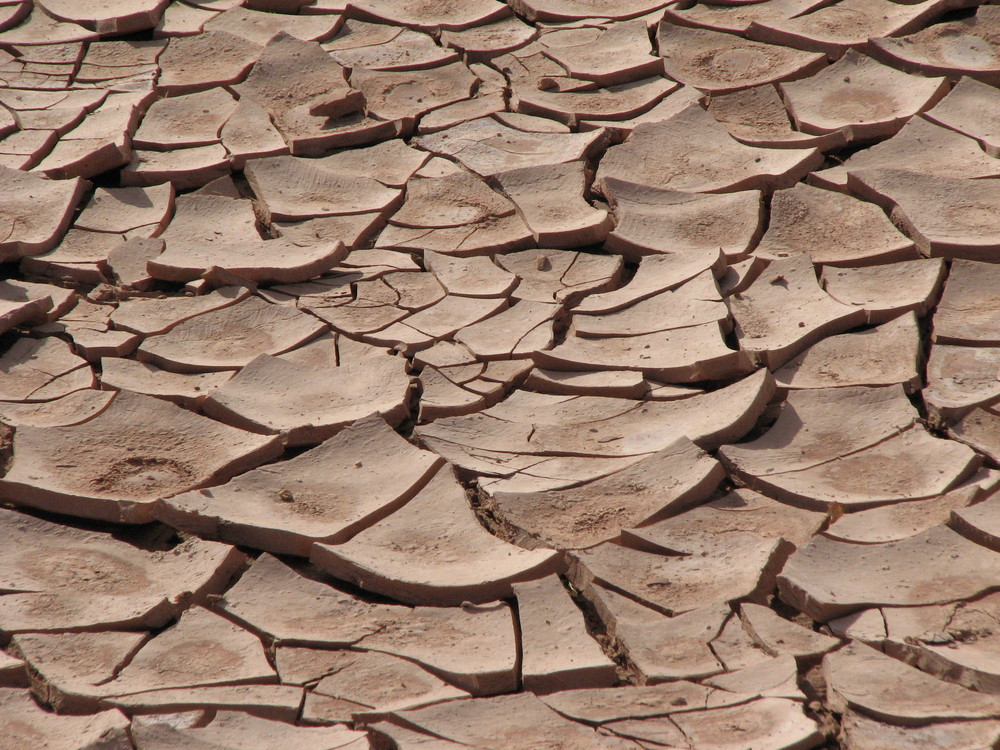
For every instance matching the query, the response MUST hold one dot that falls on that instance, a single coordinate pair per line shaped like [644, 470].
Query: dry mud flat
[422, 374]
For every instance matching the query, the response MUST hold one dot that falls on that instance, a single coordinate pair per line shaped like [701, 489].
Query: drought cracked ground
[441, 374]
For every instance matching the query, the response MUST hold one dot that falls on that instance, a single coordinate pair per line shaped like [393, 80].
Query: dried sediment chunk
[185, 121]
[267, 261]
[275, 702]
[41, 370]
[464, 562]
[965, 316]
[110, 16]
[134, 211]
[230, 729]
[742, 567]
[757, 117]
[471, 647]
[34, 212]
[551, 200]
[774, 722]
[965, 47]
[922, 146]
[735, 17]
[505, 721]
[27, 724]
[248, 133]
[59, 578]
[430, 16]
[406, 50]
[862, 731]
[960, 378]
[558, 651]
[678, 355]
[152, 316]
[559, 276]
[514, 333]
[201, 649]
[886, 292]
[718, 63]
[204, 61]
[667, 482]
[614, 103]
[692, 152]
[835, 29]
[576, 10]
[230, 337]
[307, 404]
[488, 147]
[831, 229]
[856, 92]
[828, 579]
[886, 355]
[778, 636]
[205, 219]
[969, 108]
[470, 277]
[621, 53]
[185, 168]
[863, 679]
[892, 523]
[785, 310]
[116, 465]
[403, 96]
[188, 391]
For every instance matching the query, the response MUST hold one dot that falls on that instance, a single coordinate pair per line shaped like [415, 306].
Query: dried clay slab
[829, 579]
[230, 337]
[26, 724]
[41, 370]
[671, 480]
[960, 378]
[966, 47]
[735, 17]
[232, 729]
[470, 647]
[862, 731]
[857, 93]
[886, 292]
[621, 53]
[92, 581]
[964, 315]
[580, 10]
[467, 564]
[692, 152]
[652, 220]
[431, 16]
[34, 212]
[116, 465]
[719, 63]
[327, 494]
[969, 108]
[831, 229]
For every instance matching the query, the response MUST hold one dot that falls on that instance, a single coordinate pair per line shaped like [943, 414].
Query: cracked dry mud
[499, 374]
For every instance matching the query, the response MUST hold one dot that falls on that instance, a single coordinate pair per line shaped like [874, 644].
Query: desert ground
[527, 375]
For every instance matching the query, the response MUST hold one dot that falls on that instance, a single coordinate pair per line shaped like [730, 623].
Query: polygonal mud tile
[558, 653]
[233, 729]
[320, 495]
[508, 721]
[692, 152]
[132, 211]
[469, 277]
[620, 53]
[829, 579]
[736, 17]
[379, 683]
[778, 636]
[964, 315]
[619, 102]
[863, 679]
[35, 212]
[785, 310]
[677, 583]
[27, 724]
[835, 29]
[248, 133]
[977, 522]
[965, 47]
[692, 303]
[889, 354]
[185, 121]
[230, 337]
[542, 196]
[690, 226]
[771, 722]
[892, 523]
[560, 276]
[886, 292]
[407, 50]
[741, 513]
[201, 649]
[968, 109]
[187, 390]
[483, 42]
[960, 378]
[185, 168]
[675, 478]
[269, 701]
[471, 647]
[863, 732]
[757, 117]
[42, 370]
[438, 14]
[922, 146]
[91, 581]
[856, 92]
[74, 408]
[717, 62]
[116, 465]
[466, 564]
[488, 147]
[832, 229]
[980, 428]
